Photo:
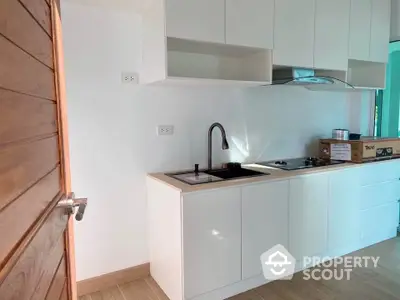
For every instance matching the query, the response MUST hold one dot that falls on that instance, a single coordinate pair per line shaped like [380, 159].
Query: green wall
[390, 126]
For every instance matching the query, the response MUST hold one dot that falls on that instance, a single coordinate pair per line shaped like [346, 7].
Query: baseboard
[108, 280]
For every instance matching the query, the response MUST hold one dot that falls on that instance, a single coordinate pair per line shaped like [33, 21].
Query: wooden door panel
[36, 254]
[22, 73]
[17, 218]
[58, 282]
[50, 268]
[22, 165]
[64, 295]
[40, 10]
[25, 117]
[15, 19]
[24, 277]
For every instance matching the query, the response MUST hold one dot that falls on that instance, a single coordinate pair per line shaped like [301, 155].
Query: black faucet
[225, 144]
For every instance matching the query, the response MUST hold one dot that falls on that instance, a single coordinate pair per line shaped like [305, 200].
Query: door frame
[63, 141]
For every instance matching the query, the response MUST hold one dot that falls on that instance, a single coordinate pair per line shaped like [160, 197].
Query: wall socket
[130, 77]
[165, 130]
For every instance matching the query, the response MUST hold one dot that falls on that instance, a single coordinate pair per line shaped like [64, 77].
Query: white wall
[112, 130]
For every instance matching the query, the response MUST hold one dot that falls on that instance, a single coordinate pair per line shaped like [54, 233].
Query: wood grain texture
[64, 141]
[12, 229]
[58, 282]
[64, 294]
[50, 268]
[24, 117]
[23, 165]
[108, 294]
[40, 10]
[155, 288]
[381, 283]
[112, 279]
[14, 19]
[137, 290]
[22, 73]
[22, 279]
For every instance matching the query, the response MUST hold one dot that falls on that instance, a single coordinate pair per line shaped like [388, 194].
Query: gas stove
[300, 163]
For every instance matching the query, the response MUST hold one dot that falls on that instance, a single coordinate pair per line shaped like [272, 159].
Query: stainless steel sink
[234, 173]
[209, 176]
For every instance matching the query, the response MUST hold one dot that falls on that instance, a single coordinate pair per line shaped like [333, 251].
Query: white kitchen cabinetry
[206, 244]
[250, 23]
[344, 224]
[184, 43]
[196, 20]
[360, 29]
[294, 33]
[379, 223]
[265, 222]
[331, 34]
[308, 215]
[211, 240]
[380, 30]
[369, 43]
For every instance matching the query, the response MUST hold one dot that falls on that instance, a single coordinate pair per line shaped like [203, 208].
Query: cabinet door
[344, 209]
[200, 20]
[250, 23]
[332, 34]
[379, 223]
[211, 240]
[294, 33]
[308, 215]
[360, 29]
[380, 30]
[265, 222]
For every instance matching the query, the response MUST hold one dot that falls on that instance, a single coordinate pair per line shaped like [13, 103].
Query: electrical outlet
[165, 130]
[130, 77]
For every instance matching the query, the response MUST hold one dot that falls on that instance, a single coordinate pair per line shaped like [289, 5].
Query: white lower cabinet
[265, 222]
[344, 211]
[308, 215]
[206, 245]
[211, 240]
[379, 223]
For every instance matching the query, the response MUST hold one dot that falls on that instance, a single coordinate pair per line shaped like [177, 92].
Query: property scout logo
[279, 264]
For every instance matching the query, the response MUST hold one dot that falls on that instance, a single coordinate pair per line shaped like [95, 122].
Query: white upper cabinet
[360, 33]
[331, 34]
[200, 20]
[294, 33]
[380, 30]
[250, 23]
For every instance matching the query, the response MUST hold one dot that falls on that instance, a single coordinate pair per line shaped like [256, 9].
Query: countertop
[276, 174]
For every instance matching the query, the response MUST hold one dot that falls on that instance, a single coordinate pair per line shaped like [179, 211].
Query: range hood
[309, 78]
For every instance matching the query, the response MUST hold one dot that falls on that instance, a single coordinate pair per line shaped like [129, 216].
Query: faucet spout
[225, 145]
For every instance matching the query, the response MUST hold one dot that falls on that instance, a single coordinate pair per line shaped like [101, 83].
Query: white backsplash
[113, 137]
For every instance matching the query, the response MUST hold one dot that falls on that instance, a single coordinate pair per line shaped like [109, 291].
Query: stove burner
[312, 158]
[300, 163]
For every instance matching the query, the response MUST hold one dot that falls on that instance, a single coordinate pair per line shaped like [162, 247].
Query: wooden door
[36, 253]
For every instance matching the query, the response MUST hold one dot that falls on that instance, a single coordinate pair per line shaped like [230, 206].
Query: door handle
[70, 203]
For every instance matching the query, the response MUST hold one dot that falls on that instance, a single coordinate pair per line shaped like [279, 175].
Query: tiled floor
[382, 283]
